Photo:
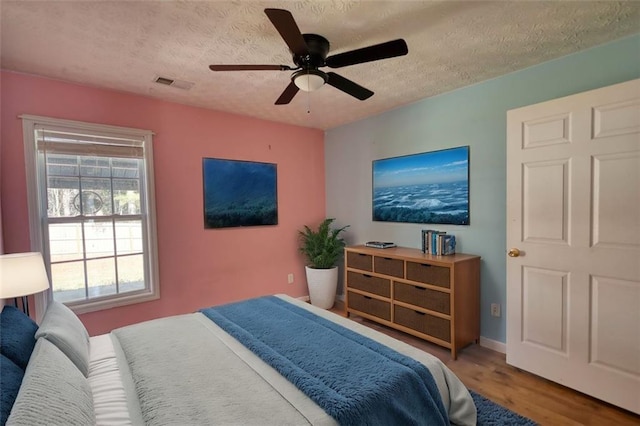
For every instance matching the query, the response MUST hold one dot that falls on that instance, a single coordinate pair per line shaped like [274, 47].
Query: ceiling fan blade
[288, 94]
[288, 29]
[348, 86]
[376, 52]
[249, 68]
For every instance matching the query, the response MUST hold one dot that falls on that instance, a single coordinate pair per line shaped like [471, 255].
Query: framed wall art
[430, 187]
[239, 193]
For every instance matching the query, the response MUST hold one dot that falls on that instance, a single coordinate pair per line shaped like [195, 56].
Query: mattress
[185, 370]
[117, 401]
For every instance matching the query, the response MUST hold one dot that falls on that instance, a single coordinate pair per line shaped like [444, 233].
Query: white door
[573, 212]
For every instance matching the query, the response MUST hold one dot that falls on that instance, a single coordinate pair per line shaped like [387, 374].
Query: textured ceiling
[124, 45]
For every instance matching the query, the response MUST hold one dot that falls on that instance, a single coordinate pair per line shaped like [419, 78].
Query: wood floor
[486, 372]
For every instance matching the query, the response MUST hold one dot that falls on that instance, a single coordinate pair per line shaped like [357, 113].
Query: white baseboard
[493, 345]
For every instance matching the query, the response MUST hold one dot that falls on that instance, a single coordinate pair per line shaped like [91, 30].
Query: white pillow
[64, 329]
[53, 391]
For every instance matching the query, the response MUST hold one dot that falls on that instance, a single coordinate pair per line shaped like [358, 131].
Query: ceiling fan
[310, 53]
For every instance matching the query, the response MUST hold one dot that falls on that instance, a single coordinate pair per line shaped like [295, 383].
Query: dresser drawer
[426, 298]
[368, 283]
[428, 274]
[388, 266]
[360, 261]
[369, 305]
[424, 323]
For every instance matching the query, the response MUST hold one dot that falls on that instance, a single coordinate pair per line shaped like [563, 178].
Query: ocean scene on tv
[431, 187]
[239, 193]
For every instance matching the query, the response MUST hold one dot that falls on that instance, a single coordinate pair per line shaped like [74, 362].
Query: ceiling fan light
[309, 80]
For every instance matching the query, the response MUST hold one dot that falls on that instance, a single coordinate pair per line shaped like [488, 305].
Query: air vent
[163, 80]
[179, 84]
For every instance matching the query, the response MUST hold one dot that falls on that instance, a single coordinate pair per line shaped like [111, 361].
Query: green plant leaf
[324, 246]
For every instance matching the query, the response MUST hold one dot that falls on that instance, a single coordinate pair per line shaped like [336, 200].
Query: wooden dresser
[436, 298]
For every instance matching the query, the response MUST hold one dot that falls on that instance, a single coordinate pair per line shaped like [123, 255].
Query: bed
[269, 360]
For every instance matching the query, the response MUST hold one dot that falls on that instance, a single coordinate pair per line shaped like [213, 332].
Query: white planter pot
[322, 284]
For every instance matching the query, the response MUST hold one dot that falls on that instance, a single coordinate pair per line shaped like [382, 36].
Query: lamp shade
[309, 80]
[22, 274]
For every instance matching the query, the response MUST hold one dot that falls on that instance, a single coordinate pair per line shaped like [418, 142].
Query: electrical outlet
[290, 278]
[495, 309]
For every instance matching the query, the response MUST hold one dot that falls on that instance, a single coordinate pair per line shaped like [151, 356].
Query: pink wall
[198, 267]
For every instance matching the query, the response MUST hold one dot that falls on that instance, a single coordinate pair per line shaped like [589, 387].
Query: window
[92, 213]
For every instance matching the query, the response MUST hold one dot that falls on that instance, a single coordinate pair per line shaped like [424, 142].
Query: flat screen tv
[430, 187]
[239, 193]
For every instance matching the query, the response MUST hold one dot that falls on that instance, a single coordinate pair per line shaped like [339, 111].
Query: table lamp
[22, 274]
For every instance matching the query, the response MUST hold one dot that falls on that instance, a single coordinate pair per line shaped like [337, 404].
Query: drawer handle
[426, 265]
[368, 297]
[387, 258]
[367, 276]
[419, 313]
[418, 287]
[361, 254]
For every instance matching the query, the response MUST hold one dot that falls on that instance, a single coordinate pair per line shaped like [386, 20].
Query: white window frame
[36, 216]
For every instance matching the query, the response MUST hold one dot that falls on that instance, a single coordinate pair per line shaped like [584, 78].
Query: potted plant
[322, 248]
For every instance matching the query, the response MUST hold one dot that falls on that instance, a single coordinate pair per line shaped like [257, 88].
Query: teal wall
[474, 116]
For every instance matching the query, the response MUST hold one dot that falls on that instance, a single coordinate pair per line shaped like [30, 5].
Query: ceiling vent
[179, 84]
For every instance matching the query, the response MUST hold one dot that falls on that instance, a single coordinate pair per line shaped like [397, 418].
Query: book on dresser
[436, 298]
[380, 244]
[446, 244]
[438, 242]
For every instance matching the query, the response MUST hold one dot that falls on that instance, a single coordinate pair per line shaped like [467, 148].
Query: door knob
[514, 252]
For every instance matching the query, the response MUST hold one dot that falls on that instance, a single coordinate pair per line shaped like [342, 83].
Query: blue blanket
[354, 379]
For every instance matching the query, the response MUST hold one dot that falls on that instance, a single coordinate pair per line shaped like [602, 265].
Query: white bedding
[109, 396]
[112, 394]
